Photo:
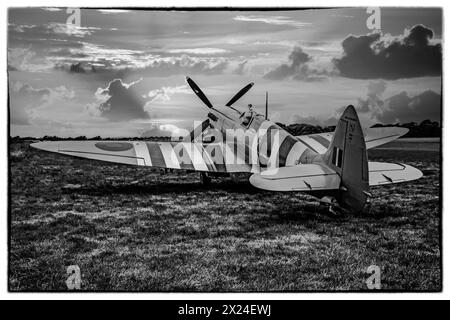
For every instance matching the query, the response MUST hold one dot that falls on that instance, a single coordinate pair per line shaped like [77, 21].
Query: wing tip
[50, 146]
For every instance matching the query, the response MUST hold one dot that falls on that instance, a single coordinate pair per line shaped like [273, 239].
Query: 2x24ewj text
[225, 310]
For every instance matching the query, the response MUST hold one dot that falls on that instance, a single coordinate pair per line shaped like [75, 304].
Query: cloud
[52, 9]
[55, 28]
[199, 51]
[273, 20]
[373, 100]
[113, 11]
[297, 64]
[240, 70]
[331, 121]
[375, 56]
[165, 93]
[76, 68]
[119, 62]
[119, 102]
[165, 130]
[25, 100]
[24, 59]
[298, 68]
[60, 46]
[402, 108]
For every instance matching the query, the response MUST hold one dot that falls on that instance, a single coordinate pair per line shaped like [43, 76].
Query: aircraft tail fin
[347, 155]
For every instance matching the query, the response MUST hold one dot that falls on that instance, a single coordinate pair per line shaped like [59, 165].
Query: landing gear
[235, 178]
[205, 179]
[333, 211]
[332, 204]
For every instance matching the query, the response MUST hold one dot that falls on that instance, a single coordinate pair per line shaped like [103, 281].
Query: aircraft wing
[303, 177]
[374, 137]
[174, 155]
[313, 177]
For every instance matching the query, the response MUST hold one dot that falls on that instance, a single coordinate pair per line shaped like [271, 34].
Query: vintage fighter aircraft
[331, 166]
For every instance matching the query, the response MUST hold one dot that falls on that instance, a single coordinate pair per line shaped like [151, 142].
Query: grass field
[133, 229]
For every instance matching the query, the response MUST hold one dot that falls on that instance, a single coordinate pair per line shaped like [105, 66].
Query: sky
[121, 73]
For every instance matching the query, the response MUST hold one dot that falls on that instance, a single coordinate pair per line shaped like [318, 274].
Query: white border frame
[213, 296]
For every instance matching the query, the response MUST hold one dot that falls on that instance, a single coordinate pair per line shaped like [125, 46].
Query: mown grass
[134, 229]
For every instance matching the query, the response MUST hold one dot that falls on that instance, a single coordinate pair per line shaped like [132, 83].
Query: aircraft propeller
[205, 100]
[205, 124]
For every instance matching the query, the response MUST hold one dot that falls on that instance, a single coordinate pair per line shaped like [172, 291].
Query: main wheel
[205, 179]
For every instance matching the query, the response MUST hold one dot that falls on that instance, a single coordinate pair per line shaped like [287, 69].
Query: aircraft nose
[51, 146]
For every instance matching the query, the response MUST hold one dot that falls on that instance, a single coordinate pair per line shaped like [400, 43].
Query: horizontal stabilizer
[304, 177]
[386, 173]
[374, 137]
[378, 136]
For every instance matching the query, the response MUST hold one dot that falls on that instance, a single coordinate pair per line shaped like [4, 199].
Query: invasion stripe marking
[323, 141]
[156, 155]
[316, 145]
[142, 152]
[216, 155]
[269, 140]
[170, 158]
[181, 153]
[307, 155]
[229, 157]
[209, 163]
[295, 153]
[312, 144]
[285, 147]
[273, 160]
[196, 156]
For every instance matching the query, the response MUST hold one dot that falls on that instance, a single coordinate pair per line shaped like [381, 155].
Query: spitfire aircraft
[331, 166]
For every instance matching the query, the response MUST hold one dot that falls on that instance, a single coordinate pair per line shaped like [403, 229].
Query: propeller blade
[238, 95]
[198, 92]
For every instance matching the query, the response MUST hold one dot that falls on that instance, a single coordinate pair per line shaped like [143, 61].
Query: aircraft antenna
[267, 104]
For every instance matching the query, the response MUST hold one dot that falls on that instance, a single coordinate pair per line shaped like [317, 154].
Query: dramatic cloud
[199, 51]
[298, 68]
[52, 9]
[121, 61]
[274, 20]
[221, 50]
[373, 100]
[165, 130]
[119, 102]
[402, 108]
[24, 59]
[53, 28]
[25, 100]
[240, 70]
[373, 56]
[113, 11]
[77, 68]
[165, 93]
[296, 118]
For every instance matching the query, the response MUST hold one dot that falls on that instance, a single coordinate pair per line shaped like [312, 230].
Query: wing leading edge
[173, 155]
